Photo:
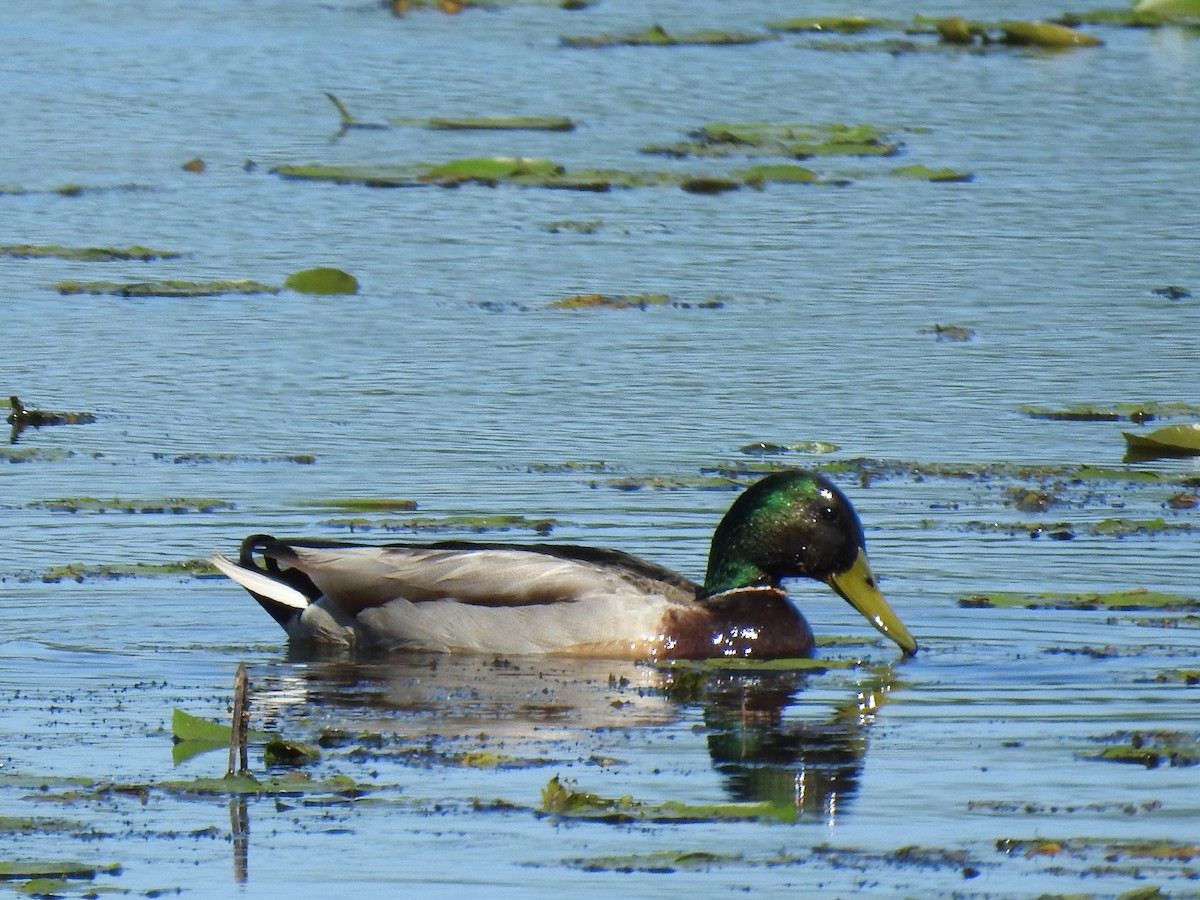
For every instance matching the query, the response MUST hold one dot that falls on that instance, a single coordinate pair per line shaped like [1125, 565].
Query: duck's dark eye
[828, 513]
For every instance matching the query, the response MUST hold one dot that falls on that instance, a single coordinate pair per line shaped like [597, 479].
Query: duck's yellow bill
[857, 587]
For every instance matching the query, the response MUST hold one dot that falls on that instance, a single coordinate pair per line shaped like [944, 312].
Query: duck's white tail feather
[259, 583]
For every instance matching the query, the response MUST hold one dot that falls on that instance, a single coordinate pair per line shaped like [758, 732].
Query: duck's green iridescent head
[798, 524]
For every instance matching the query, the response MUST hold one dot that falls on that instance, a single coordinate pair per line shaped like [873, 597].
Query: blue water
[449, 380]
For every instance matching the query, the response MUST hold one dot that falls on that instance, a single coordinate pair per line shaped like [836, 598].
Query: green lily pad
[657, 36]
[1139, 599]
[564, 800]
[80, 572]
[840, 24]
[322, 280]
[1173, 440]
[280, 752]
[164, 288]
[955, 333]
[493, 168]
[303, 459]
[1047, 35]
[757, 176]
[12, 870]
[1150, 749]
[364, 504]
[1127, 18]
[493, 123]
[1174, 9]
[665, 862]
[86, 254]
[925, 173]
[169, 505]
[793, 140]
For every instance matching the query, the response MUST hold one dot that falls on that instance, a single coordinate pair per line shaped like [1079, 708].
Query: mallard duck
[546, 598]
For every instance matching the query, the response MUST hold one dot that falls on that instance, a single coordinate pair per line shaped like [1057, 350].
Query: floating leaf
[925, 173]
[657, 36]
[842, 24]
[1174, 9]
[86, 254]
[565, 800]
[322, 280]
[794, 140]
[164, 288]
[497, 123]
[364, 504]
[186, 727]
[1118, 600]
[1046, 34]
[280, 752]
[757, 176]
[1172, 440]
[11, 870]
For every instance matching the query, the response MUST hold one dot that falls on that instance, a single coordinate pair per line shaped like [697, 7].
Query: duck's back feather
[360, 577]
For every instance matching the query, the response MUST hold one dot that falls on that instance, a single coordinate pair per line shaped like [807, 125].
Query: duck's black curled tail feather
[270, 549]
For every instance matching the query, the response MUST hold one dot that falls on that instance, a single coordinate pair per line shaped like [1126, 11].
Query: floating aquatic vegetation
[72, 190]
[1174, 9]
[364, 504]
[322, 280]
[955, 33]
[21, 418]
[956, 333]
[630, 301]
[168, 505]
[657, 36]
[590, 226]
[760, 176]
[1127, 18]
[1110, 412]
[591, 468]
[523, 172]
[792, 140]
[1173, 292]
[1138, 599]
[1173, 440]
[1031, 500]
[564, 800]
[1150, 749]
[476, 524]
[195, 165]
[34, 454]
[195, 568]
[673, 483]
[281, 752]
[1037, 808]
[666, 862]
[765, 448]
[303, 459]
[168, 288]
[842, 24]
[29, 870]
[86, 254]
[1110, 849]
[1046, 35]
[925, 173]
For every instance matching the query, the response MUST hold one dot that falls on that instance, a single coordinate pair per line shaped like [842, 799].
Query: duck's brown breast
[756, 623]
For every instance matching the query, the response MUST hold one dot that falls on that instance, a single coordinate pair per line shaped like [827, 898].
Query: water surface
[449, 381]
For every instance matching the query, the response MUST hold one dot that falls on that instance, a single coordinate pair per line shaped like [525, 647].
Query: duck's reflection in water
[791, 738]
[767, 749]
